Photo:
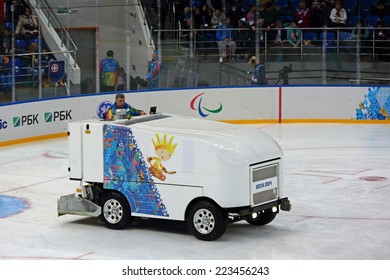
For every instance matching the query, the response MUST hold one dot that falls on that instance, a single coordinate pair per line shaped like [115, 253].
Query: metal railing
[333, 49]
[333, 40]
[52, 21]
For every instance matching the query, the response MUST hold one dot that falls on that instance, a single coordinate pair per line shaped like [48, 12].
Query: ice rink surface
[337, 177]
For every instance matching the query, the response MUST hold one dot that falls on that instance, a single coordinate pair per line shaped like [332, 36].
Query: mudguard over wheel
[264, 217]
[116, 212]
[207, 221]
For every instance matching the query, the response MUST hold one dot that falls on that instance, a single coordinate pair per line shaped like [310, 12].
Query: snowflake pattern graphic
[126, 171]
[375, 106]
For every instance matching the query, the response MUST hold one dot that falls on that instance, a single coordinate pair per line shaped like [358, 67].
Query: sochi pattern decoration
[125, 170]
[375, 106]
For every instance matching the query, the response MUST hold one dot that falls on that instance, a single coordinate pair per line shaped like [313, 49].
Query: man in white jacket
[338, 16]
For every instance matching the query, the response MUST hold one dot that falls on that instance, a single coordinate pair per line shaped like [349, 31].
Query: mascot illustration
[164, 151]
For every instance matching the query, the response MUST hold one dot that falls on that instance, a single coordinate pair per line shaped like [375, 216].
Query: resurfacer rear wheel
[116, 212]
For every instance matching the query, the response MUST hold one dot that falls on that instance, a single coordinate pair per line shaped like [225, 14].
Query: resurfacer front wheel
[207, 221]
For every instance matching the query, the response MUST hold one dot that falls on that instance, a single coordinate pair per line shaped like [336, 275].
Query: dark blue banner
[56, 70]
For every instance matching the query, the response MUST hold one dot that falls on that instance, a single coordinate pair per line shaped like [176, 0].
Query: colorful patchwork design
[375, 106]
[126, 171]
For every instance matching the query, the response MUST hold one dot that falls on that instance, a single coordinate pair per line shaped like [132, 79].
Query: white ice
[337, 177]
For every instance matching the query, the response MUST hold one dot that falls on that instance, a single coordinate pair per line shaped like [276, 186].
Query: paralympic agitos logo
[203, 111]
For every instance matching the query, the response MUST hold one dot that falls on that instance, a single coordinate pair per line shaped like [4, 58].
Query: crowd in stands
[24, 26]
[277, 23]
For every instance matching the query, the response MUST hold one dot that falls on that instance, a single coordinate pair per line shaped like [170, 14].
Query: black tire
[116, 212]
[207, 221]
[263, 218]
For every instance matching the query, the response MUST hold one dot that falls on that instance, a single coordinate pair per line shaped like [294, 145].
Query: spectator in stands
[6, 41]
[251, 15]
[46, 57]
[108, 67]
[120, 103]
[242, 37]
[338, 16]
[294, 39]
[33, 65]
[320, 14]
[27, 25]
[259, 75]
[19, 8]
[235, 13]
[179, 6]
[225, 40]
[276, 37]
[186, 23]
[381, 7]
[382, 41]
[271, 14]
[153, 74]
[203, 18]
[294, 35]
[276, 34]
[302, 15]
[5, 73]
[217, 18]
[256, 33]
[204, 36]
[186, 14]
[361, 32]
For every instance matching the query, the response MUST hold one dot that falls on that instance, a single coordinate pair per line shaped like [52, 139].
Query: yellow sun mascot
[164, 151]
